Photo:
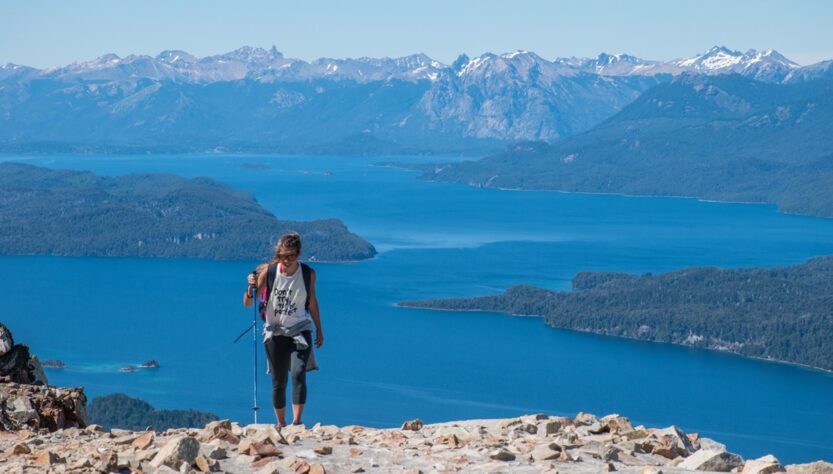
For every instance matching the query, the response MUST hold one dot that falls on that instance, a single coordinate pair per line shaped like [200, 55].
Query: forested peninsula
[117, 410]
[783, 313]
[77, 213]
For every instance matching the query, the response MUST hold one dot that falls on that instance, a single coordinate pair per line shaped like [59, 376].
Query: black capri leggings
[285, 358]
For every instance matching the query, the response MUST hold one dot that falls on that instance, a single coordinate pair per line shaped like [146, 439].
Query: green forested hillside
[63, 212]
[775, 313]
[120, 411]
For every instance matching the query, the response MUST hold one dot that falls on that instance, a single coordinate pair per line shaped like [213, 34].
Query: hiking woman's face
[288, 259]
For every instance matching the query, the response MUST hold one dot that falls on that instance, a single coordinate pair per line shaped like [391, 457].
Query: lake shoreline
[532, 316]
[626, 195]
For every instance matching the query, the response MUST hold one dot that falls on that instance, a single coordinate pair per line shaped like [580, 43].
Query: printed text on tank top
[287, 302]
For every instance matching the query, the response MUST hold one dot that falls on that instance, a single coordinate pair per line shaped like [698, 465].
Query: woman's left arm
[314, 311]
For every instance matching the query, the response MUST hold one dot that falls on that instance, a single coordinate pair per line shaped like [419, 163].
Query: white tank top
[287, 303]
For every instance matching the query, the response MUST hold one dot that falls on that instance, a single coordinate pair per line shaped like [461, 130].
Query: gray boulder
[711, 460]
[14, 365]
[502, 454]
[6, 340]
[36, 407]
[23, 413]
[36, 372]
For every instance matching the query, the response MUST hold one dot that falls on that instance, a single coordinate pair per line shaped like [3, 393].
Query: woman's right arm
[258, 278]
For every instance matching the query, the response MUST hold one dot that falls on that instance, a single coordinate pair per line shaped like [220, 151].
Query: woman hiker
[291, 310]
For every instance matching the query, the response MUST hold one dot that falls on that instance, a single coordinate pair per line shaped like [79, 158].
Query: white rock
[763, 465]
[818, 467]
[546, 452]
[586, 418]
[176, 451]
[6, 340]
[533, 419]
[710, 444]
[461, 433]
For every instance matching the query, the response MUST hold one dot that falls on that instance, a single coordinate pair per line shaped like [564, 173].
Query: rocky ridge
[41, 408]
[26, 402]
[531, 443]
[272, 66]
[16, 364]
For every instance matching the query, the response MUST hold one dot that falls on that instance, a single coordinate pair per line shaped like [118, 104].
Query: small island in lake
[77, 213]
[150, 364]
[52, 364]
[783, 313]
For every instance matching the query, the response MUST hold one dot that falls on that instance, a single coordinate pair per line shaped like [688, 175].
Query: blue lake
[382, 364]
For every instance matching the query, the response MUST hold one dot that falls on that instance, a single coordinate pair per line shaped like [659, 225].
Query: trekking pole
[254, 345]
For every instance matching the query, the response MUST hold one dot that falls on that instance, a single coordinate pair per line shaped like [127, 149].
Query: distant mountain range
[271, 66]
[253, 99]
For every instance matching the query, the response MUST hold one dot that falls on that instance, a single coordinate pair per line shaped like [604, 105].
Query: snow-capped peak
[418, 60]
[769, 65]
[605, 59]
[769, 55]
[473, 64]
[716, 59]
[250, 54]
[173, 56]
[515, 54]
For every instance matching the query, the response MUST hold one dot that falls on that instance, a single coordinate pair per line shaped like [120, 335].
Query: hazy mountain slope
[346, 106]
[719, 137]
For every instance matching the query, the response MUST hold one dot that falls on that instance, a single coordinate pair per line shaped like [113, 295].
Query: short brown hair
[291, 242]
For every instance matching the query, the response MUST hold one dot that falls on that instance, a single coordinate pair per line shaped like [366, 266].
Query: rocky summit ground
[533, 443]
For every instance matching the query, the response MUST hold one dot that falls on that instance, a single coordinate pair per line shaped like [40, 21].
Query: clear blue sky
[45, 33]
